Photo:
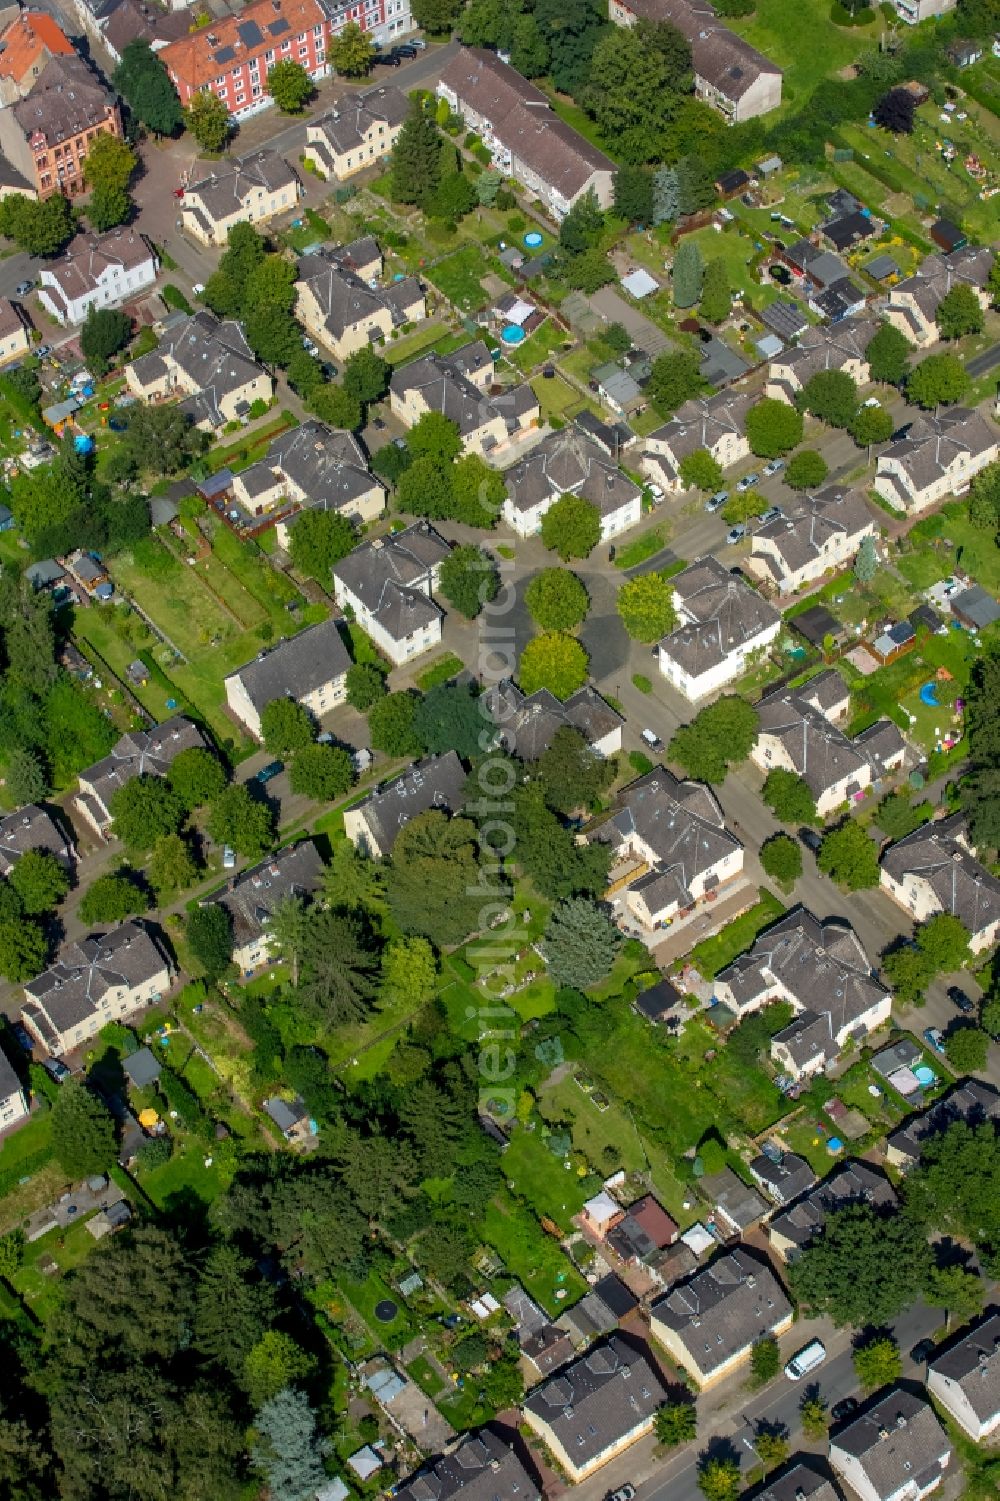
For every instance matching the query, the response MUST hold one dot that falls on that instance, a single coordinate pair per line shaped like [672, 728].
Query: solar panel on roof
[225, 55]
[277, 27]
[250, 33]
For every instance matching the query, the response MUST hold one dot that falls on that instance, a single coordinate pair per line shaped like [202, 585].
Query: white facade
[114, 284]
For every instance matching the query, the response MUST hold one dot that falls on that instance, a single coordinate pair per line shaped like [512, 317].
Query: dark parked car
[959, 998]
[405, 50]
[270, 771]
[922, 1350]
[388, 59]
[55, 1069]
[845, 1408]
[811, 839]
[23, 288]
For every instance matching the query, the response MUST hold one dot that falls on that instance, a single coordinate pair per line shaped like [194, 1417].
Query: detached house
[312, 467]
[939, 456]
[97, 273]
[729, 74]
[895, 1450]
[436, 782]
[800, 1223]
[672, 848]
[139, 753]
[934, 870]
[971, 1101]
[819, 967]
[795, 734]
[965, 1379]
[841, 348]
[107, 977]
[480, 1468]
[716, 424]
[389, 583]
[526, 138]
[723, 625]
[820, 535]
[311, 668]
[527, 724]
[247, 190]
[800, 1483]
[913, 303]
[209, 364]
[596, 1407]
[458, 386]
[567, 463]
[15, 331]
[33, 828]
[359, 130]
[341, 304]
[710, 1323]
[46, 135]
[14, 1106]
[251, 898]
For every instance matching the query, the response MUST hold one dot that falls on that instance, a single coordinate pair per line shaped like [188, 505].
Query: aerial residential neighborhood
[500, 750]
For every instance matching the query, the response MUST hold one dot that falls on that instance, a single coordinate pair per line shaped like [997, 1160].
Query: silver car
[735, 534]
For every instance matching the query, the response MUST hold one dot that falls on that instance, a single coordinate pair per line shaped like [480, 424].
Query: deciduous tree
[719, 1478]
[877, 1362]
[105, 332]
[832, 396]
[865, 1267]
[571, 527]
[849, 857]
[781, 858]
[960, 1291]
[870, 425]
[688, 274]
[365, 376]
[967, 1048]
[351, 52]
[806, 470]
[144, 809]
[765, 1360]
[365, 685]
[700, 471]
[469, 579]
[83, 1133]
[716, 294]
[888, 352]
[435, 886]
[113, 898]
[676, 1423]
[23, 949]
[720, 735]
[286, 726]
[40, 880]
[409, 973]
[646, 607]
[674, 379]
[290, 86]
[788, 796]
[196, 776]
[143, 81]
[390, 725]
[207, 118]
[322, 772]
[172, 866]
[38, 228]
[895, 111]
[554, 661]
[451, 716]
[772, 428]
[939, 380]
[557, 600]
[210, 938]
[239, 819]
[570, 772]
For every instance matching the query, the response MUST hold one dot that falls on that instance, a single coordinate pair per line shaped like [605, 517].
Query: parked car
[958, 998]
[389, 59]
[717, 501]
[774, 467]
[624, 1492]
[735, 534]
[56, 1069]
[656, 493]
[23, 1036]
[810, 839]
[308, 345]
[23, 288]
[845, 1408]
[378, 424]
[652, 740]
[228, 857]
[270, 771]
[747, 482]
[771, 514]
[405, 49]
[417, 42]
[922, 1350]
[42, 351]
[934, 1038]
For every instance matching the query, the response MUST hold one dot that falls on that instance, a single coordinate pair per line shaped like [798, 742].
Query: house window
[269, 56]
[286, 46]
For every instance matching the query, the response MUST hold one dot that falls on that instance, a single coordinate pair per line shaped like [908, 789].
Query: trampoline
[512, 334]
[533, 239]
[386, 1311]
[928, 695]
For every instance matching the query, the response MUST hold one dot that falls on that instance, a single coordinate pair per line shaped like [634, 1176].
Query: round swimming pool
[533, 239]
[924, 1076]
[512, 334]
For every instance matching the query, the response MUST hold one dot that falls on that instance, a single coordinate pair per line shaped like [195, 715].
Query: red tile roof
[31, 39]
[210, 52]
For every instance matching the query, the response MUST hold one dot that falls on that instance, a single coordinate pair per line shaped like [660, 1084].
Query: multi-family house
[597, 1406]
[939, 456]
[798, 1224]
[47, 134]
[965, 1379]
[311, 668]
[482, 1467]
[729, 74]
[806, 1480]
[13, 1095]
[209, 364]
[313, 467]
[795, 734]
[935, 870]
[250, 899]
[822, 970]
[913, 303]
[26, 45]
[137, 753]
[820, 534]
[232, 56]
[782, 1175]
[15, 331]
[568, 463]
[115, 24]
[359, 130]
[671, 846]
[970, 1101]
[710, 1323]
[527, 723]
[246, 190]
[97, 273]
[895, 1450]
[435, 783]
[106, 977]
[458, 386]
[526, 138]
[33, 828]
[842, 348]
[347, 310]
[716, 424]
[389, 583]
[723, 624]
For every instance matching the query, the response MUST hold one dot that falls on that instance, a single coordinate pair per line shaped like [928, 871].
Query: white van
[807, 1359]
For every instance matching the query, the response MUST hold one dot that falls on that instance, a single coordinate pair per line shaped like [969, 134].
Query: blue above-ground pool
[533, 238]
[83, 443]
[512, 334]
[835, 1145]
[928, 695]
[924, 1076]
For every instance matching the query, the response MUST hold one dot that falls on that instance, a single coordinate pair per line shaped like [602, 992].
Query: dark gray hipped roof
[970, 1101]
[436, 782]
[481, 1468]
[250, 899]
[722, 614]
[973, 1363]
[938, 853]
[724, 1308]
[296, 667]
[599, 1399]
[71, 989]
[853, 1183]
[528, 724]
[390, 576]
[897, 1442]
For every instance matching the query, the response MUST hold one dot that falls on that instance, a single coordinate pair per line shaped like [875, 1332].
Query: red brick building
[47, 135]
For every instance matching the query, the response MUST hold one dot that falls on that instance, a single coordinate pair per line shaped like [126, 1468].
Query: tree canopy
[554, 661]
[571, 527]
[557, 600]
[773, 428]
[646, 607]
[719, 736]
[143, 81]
[864, 1268]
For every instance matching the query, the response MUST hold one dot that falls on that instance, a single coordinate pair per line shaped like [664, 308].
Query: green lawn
[364, 1296]
[67, 1248]
[804, 42]
[548, 1183]
[547, 340]
[441, 671]
[423, 1373]
[529, 1254]
[458, 275]
[198, 1170]
[713, 954]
